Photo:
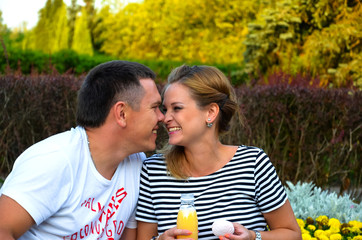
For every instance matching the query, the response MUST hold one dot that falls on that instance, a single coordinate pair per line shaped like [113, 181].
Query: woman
[237, 183]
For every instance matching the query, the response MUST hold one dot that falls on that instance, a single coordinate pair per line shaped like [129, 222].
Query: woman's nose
[161, 116]
[167, 118]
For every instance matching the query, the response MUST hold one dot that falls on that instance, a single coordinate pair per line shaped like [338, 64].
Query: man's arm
[146, 230]
[129, 234]
[14, 219]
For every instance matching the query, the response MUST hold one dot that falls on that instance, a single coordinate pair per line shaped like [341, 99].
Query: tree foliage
[51, 32]
[73, 10]
[205, 31]
[318, 37]
[82, 41]
[3, 26]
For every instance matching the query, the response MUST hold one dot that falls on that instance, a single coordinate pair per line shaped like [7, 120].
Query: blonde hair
[207, 85]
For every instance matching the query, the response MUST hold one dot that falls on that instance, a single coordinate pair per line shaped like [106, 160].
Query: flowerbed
[324, 215]
[324, 228]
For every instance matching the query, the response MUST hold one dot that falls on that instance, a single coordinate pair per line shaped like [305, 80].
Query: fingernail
[220, 237]
[227, 235]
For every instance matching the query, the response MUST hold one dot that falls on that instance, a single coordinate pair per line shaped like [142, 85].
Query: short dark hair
[106, 84]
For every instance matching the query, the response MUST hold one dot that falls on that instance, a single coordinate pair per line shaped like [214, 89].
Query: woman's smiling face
[184, 119]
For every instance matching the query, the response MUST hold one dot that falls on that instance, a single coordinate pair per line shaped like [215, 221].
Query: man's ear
[119, 111]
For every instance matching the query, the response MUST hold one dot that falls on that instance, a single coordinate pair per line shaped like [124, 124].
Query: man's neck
[105, 151]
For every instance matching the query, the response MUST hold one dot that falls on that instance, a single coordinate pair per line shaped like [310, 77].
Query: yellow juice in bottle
[187, 217]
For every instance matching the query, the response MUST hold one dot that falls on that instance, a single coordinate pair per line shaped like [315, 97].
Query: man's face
[143, 123]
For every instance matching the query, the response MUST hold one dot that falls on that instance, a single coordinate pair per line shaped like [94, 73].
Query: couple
[85, 183]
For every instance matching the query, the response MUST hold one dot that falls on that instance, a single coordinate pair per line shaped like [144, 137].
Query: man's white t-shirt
[56, 182]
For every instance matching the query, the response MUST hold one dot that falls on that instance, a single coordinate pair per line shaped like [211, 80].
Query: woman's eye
[177, 108]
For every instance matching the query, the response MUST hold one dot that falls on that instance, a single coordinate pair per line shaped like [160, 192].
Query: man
[83, 183]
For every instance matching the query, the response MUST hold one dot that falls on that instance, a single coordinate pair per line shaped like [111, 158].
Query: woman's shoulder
[156, 163]
[250, 149]
[155, 158]
[250, 152]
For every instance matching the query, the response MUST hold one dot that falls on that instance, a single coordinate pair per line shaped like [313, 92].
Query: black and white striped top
[241, 191]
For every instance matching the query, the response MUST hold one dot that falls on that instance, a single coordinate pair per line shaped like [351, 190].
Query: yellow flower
[336, 236]
[306, 236]
[318, 233]
[356, 226]
[355, 229]
[345, 228]
[300, 223]
[323, 237]
[311, 227]
[359, 237]
[322, 220]
[334, 223]
[327, 233]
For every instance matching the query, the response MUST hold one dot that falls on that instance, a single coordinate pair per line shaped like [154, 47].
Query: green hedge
[28, 61]
[310, 134]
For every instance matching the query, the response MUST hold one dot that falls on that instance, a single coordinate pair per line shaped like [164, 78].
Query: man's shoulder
[59, 141]
[134, 160]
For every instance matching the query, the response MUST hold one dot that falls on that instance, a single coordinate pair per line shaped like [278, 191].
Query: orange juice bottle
[187, 217]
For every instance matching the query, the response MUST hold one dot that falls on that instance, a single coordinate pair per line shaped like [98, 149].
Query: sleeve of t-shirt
[270, 193]
[40, 183]
[136, 159]
[145, 208]
[132, 223]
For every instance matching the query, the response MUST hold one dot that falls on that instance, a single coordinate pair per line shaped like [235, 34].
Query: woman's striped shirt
[241, 191]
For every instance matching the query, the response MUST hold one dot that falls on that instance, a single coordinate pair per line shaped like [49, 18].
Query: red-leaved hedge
[310, 133]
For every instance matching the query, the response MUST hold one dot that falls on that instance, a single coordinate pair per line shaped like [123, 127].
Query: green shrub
[307, 200]
[25, 61]
[69, 61]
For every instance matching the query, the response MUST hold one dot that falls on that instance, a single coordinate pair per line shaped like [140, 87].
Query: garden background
[296, 66]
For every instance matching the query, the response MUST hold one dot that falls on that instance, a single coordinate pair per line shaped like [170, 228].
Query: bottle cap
[187, 196]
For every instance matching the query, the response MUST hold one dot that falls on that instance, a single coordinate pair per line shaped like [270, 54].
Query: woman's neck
[207, 159]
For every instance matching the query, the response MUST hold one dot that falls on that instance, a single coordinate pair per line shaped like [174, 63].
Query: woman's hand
[240, 233]
[172, 233]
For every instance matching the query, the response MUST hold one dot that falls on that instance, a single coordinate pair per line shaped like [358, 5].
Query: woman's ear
[212, 112]
[120, 113]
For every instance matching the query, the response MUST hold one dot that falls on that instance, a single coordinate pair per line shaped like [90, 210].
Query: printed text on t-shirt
[102, 225]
